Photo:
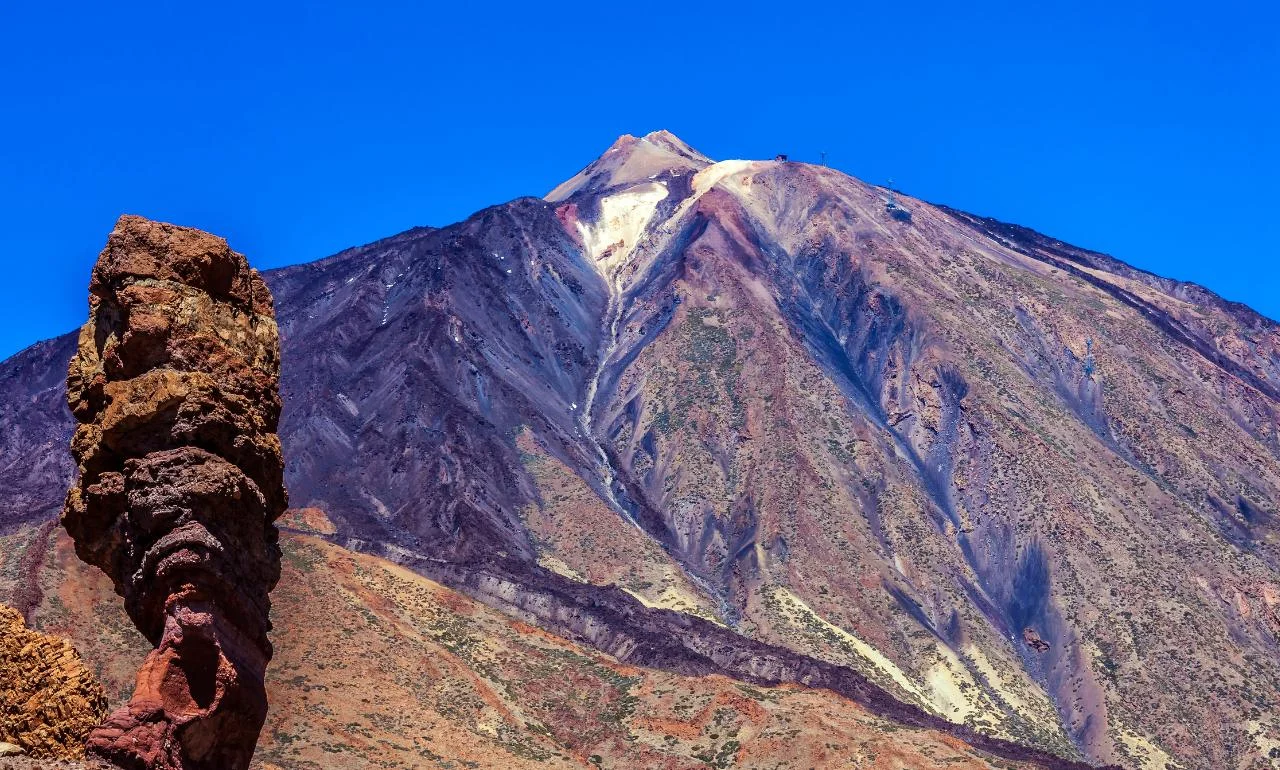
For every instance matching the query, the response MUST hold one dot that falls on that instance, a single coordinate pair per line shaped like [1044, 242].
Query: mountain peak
[630, 159]
[665, 139]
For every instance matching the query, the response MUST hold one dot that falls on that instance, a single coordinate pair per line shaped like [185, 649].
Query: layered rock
[49, 700]
[175, 388]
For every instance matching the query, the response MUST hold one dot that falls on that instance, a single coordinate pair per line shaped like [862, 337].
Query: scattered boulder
[1033, 640]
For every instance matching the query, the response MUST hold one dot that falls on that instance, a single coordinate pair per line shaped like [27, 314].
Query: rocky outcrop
[175, 388]
[49, 701]
[1034, 641]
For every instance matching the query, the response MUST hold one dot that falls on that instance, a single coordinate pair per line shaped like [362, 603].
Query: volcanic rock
[1034, 641]
[175, 388]
[49, 701]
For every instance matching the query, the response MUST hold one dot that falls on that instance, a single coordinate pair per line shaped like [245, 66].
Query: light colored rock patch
[959, 695]
[1142, 751]
[623, 219]
[348, 405]
[948, 684]
[379, 507]
[716, 173]
[948, 689]
[672, 598]
[997, 682]
[874, 657]
[557, 565]
[1266, 743]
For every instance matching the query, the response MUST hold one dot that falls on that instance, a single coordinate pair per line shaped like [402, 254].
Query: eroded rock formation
[49, 700]
[175, 388]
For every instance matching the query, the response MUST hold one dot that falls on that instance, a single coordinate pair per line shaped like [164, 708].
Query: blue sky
[1148, 131]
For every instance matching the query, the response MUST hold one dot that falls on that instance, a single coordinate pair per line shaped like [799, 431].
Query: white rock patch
[623, 219]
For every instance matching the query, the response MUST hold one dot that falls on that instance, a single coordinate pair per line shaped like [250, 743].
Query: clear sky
[1150, 131]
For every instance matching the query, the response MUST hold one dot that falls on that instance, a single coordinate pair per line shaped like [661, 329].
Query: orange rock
[48, 698]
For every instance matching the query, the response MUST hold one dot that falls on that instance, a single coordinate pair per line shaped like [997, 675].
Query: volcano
[761, 421]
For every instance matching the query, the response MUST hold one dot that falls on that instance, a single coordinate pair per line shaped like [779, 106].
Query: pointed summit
[631, 160]
[672, 143]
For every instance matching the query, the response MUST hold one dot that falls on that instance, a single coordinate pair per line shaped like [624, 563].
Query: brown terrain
[378, 667]
[749, 424]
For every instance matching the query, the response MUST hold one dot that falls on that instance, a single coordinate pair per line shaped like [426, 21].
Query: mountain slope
[459, 684]
[749, 392]
[929, 430]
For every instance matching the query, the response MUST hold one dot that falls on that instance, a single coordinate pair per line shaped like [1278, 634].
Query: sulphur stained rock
[175, 386]
[49, 701]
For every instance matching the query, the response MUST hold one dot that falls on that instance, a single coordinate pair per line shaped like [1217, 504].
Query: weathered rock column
[176, 389]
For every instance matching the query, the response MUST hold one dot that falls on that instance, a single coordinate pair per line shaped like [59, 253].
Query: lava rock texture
[49, 700]
[175, 388]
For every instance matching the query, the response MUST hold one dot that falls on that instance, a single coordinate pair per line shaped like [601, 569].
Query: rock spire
[175, 387]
